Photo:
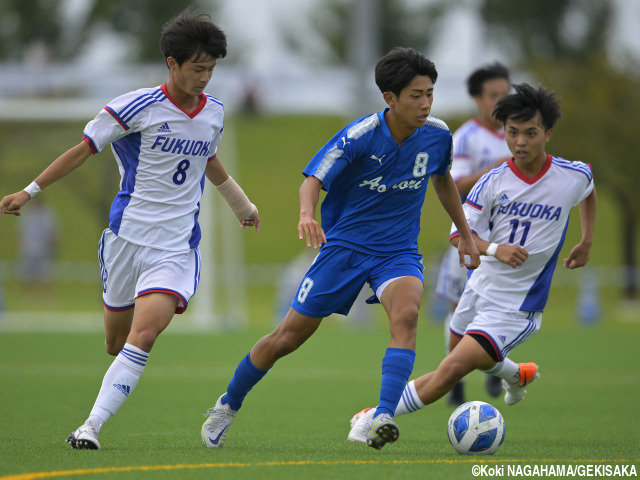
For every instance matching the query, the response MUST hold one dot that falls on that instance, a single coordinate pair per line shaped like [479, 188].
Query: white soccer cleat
[514, 392]
[84, 438]
[214, 430]
[360, 425]
[383, 430]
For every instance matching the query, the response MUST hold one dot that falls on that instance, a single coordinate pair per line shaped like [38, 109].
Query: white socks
[118, 383]
[507, 370]
[409, 402]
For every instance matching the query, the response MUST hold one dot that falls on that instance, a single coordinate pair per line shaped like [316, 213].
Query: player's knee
[405, 318]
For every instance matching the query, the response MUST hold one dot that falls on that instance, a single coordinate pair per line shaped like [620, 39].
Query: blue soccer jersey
[375, 188]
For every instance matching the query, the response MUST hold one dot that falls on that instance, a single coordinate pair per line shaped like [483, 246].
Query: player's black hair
[400, 66]
[476, 80]
[189, 35]
[526, 102]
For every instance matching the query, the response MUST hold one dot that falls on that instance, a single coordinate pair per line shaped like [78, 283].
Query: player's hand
[308, 227]
[252, 220]
[468, 250]
[512, 255]
[11, 204]
[578, 257]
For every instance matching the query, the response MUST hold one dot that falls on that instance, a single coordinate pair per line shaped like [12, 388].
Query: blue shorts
[337, 275]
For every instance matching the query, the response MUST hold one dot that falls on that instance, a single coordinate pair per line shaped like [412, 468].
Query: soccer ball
[476, 428]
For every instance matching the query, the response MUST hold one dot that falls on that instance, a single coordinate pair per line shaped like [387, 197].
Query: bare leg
[292, 332]
[468, 355]
[117, 326]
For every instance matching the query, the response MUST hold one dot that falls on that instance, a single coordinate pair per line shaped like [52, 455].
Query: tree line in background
[601, 103]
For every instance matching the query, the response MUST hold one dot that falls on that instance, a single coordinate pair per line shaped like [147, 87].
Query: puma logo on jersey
[378, 159]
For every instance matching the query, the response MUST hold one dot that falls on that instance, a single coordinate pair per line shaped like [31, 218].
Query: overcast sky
[291, 81]
[260, 29]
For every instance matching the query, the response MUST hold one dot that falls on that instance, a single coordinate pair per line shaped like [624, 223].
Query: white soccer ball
[476, 428]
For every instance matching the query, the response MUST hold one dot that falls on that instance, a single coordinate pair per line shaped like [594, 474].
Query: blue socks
[397, 366]
[244, 378]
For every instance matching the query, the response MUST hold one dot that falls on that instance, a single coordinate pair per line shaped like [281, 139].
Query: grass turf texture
[294, 423]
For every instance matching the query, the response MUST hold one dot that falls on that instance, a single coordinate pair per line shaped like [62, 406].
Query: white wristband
[237, 200]
[491, 250]
[33, 189]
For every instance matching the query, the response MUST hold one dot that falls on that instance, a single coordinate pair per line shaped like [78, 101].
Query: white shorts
[129, 270]
[451, 277]
[504, 329]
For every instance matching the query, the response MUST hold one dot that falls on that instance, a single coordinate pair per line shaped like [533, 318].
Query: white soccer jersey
[162, 152]
[531, 212]
[476, 147]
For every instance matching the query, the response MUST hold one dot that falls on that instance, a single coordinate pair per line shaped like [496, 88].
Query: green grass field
[294, 424]
[583, 410]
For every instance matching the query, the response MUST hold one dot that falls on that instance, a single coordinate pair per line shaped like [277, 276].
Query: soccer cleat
[514, 392]
[383, 430]
[456, 395]
[84, 438]
[360, 425]
[493, 385]
[219, 418]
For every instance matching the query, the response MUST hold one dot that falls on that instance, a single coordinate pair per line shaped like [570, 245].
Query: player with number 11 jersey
[531, 212]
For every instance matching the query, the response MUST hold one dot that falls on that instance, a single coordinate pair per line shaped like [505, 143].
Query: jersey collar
[387, 131]
[526, 179]
[203, 101]
[498, 133]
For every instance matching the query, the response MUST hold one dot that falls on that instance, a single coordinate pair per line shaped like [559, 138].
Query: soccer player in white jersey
[522, 207]
[164, 140]
[478, 146]
[375, 172]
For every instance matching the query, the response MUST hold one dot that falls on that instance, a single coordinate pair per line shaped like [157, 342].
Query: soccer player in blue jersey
[522, 208]
[165, 141]
[375, 172]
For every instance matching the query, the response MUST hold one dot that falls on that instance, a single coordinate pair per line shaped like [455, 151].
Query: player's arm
[466, 183]
[579, 255]
[449, 197]
[308, 226]
[245, 211]
[512, 255]
[60, 167]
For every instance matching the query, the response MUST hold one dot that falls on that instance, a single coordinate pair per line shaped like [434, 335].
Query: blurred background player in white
[38, 247]
[478, 146]
[375, 172]
[165, 141]
[524, 206]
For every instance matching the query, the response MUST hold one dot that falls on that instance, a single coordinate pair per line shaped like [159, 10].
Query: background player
[524, 206]
[375, 172]
[164, 140]
[478, 146]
